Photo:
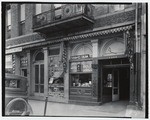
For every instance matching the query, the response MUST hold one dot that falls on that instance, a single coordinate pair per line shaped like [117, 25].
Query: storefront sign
[13, 50]
[84, 66]
[80, 57]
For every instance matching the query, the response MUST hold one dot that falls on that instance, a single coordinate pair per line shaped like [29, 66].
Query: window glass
[22, 12]
[81, 80]
[54, 51]
[8, 61]
[8, 64]
[38, 9]
[39, 56]
[118, 7]
[57, 5]
[8, 17]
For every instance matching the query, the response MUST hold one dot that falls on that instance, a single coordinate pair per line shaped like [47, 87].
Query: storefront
[99, 71]
[87, 71]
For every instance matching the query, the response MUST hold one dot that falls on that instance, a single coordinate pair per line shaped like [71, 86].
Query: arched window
[39, 56]
[82, 49]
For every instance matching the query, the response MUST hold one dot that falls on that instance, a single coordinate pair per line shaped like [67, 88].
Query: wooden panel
[80, 98]
[81, 91]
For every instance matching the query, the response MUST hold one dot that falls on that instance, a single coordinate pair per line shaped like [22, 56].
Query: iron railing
[62, 13]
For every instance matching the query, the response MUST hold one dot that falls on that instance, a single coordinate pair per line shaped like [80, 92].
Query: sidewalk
[111, 109]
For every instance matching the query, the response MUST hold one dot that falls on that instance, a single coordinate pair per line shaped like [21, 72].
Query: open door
[115, 85]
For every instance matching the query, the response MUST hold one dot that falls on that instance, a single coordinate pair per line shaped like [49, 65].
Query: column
[17, 64]
[95, 71]
[45, 71]
[95, 47]
[29, 72]
[66, 75]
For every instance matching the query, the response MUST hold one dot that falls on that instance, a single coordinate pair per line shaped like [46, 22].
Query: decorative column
[45, 71]
[29, 72]
[95, 47]
[131, 57]
[66, 74]
[16, 64]
[95, 71]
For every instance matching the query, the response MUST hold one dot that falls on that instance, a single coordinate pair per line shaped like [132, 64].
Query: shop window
[81, 80]
[84, 66]
[58, 11]
[56, 85]
[8, 63]
[38, 9]
[24, 72]
[39, 56]
[22, 19]
[23, 61]
[116, 7]
[54, 51]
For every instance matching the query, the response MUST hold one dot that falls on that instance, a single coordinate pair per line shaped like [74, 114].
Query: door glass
[41, 88]
[116, 91]
[42, 74]
[36, 74]
[36, 88]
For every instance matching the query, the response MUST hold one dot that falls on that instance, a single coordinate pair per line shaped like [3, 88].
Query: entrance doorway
[116, 84]
[39, 74]
[115, 80]
[39, 79]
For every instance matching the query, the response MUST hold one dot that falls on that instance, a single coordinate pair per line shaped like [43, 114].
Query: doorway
[39, 74]
[39, 79]
[116, 83]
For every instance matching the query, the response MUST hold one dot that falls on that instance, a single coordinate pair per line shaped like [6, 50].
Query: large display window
[81, 80]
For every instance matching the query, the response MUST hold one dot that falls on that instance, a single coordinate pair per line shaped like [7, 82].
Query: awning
[82, 36]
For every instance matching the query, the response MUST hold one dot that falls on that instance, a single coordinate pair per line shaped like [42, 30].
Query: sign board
[13, 50]
[80, 57]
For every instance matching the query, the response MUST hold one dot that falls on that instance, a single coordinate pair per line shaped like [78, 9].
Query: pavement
[111, 109]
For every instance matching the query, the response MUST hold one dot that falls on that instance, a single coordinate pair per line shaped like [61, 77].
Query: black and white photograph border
[74, 59]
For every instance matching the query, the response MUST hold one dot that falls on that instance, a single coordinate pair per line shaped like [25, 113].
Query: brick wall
[14, 20]
[29, 12]
[108, 19]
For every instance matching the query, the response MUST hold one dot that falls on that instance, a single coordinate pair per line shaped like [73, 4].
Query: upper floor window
[22, 19]
[8, 16]
[57, 5]
[116, 7]
[38, 9]
[58, 11]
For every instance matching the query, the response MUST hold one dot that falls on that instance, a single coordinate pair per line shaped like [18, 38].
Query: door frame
[113, 66]
[38, 63]
[115, 97]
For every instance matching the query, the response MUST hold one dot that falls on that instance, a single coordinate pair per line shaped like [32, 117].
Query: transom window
[39, 56]
[82, 49]
[54, 51]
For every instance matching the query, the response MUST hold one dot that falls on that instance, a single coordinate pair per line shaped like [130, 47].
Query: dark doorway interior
[124, 83]
[123, 79]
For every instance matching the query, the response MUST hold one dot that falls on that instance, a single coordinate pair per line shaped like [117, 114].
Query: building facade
[78, 53]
